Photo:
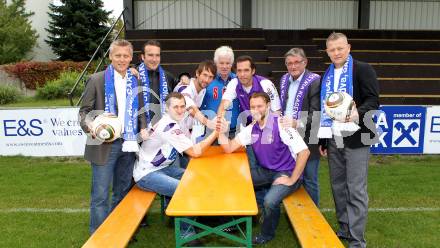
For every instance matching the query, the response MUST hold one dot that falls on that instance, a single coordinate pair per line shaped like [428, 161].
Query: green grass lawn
[32, 102]
[64, 183]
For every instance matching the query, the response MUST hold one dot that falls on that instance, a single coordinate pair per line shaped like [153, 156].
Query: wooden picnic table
[216, 184]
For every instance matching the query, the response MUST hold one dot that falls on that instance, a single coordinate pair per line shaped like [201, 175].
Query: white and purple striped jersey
[160, 150]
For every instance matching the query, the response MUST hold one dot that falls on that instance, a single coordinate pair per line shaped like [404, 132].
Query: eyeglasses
[297, 63]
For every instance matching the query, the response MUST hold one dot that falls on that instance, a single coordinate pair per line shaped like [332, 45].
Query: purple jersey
[274, 148]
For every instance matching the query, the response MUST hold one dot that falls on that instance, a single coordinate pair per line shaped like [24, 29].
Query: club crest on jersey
[269, 139]
[255, 137]
[177, 132]
[270, 93]
[290, 134]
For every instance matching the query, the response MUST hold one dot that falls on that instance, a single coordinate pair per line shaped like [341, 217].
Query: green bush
[59, 88]
[8, 94]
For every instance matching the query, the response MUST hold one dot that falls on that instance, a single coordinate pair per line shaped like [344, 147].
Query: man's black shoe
[342, 236]
[259, 240]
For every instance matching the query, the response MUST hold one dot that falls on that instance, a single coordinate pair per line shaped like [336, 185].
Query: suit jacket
[155, 82]
[93, 100]
[366, 97]
[153, 77]
[311, 104]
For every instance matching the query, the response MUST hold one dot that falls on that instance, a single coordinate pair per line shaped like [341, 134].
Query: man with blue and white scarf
[348, 143]
[114, 91]
[157, 82]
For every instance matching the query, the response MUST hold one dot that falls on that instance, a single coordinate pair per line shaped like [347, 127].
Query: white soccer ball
[338, 106]
[107, 127]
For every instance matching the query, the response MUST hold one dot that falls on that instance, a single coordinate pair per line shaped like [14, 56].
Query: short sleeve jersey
[161, 148]
[275, 148]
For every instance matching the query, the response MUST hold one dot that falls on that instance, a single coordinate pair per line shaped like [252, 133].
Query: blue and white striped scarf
[327, 87]
[131, 107]
[163, 90]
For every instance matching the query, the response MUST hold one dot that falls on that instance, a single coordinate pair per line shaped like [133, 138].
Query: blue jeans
[311, 180]
[263, 178]
[164, 182]
[117, 172]
[253, 163]
[251, 157]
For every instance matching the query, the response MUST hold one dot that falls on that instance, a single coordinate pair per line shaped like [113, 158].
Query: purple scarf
[303, 87]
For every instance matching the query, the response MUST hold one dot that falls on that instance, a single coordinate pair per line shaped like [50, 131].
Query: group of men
[280, 131]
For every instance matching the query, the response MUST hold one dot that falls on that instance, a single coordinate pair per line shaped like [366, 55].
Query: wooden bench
[123, 221]
[309, 224]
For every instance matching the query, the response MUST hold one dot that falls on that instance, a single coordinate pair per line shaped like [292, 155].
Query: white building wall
[303, 14]
[187, 14]
[40, 20]
[407, 15]
[286, 14]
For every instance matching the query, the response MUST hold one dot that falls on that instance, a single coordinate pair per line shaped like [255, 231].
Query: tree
[17, 37]
[18, 7]
[76, 28]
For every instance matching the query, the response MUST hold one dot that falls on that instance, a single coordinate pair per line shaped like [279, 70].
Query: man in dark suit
[159, 81]
[110, 91]
[349, 149]
[300, 99]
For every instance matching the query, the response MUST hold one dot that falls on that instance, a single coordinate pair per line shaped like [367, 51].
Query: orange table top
[216, 184]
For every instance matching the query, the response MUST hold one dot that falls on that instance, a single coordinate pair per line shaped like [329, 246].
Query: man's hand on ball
[354, 115]
[91, 131]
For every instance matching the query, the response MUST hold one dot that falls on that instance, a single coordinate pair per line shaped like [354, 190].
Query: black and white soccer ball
[338, 106]
[107, 127]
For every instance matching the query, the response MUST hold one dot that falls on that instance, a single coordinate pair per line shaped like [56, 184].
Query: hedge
[36, 74]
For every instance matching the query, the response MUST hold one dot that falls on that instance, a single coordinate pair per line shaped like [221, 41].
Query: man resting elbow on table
[281, 155]
[154, 169]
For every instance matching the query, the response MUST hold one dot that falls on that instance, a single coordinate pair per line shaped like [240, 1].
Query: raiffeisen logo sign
[401, 129]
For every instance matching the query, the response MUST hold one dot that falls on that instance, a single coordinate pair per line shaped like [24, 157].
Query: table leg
[249, 232]
[218, 230]
[177, 232]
